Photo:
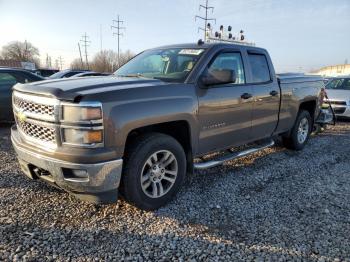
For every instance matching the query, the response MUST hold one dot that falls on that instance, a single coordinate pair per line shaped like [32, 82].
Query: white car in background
[338, 91]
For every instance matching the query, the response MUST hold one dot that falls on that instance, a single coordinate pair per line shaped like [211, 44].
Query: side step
[235, 155]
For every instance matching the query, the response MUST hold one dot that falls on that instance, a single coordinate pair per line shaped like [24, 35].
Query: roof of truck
[207, 45]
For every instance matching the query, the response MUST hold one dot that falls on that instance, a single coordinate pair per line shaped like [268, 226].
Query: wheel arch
[309, 106]
[179, 130]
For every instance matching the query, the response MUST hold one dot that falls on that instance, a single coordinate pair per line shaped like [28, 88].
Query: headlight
[82, 136]
[81, 113]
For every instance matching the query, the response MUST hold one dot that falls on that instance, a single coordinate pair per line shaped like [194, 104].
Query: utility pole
[85, 42]
[81, 58]
[101, 37]
[47, 61]
[205, 18]
[26, 51]
[118, 34]
[61, 61]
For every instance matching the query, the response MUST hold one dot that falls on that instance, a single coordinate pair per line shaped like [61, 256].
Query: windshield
[339, 83]
[171, 65]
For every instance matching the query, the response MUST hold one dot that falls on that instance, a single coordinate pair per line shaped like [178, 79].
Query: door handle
[274, 93]
[246, 96]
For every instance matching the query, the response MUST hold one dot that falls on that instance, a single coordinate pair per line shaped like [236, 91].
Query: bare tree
[21, 51]
[104, 61]
[76, 64]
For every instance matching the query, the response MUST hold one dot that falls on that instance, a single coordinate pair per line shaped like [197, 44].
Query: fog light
[75, 175]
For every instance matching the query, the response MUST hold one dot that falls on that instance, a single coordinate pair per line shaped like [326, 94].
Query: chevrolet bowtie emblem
[21, 117]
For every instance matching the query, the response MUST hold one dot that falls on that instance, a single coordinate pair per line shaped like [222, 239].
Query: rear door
[224, 115]
[6, 83]
[266, 94]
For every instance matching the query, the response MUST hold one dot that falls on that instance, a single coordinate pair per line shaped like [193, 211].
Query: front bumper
[342, 111]
[95, 182]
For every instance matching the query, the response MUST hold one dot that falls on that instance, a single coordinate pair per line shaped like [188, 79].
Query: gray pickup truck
[143, 129]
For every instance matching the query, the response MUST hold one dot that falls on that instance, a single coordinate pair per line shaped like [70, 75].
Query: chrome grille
[35, 131]
[36, 118]
[31, 107]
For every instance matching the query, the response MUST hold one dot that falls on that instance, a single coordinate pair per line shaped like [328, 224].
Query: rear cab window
[259, 68]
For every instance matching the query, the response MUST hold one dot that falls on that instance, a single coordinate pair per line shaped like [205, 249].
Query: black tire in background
[136, 160]
[293, 141]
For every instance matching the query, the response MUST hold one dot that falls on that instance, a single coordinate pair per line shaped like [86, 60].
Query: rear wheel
[154, 171]
[300, 133]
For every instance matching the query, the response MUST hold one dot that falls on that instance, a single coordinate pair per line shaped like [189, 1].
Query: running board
[235, 155]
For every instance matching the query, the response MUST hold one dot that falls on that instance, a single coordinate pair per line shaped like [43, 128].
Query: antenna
[118, 34]
[207, 26]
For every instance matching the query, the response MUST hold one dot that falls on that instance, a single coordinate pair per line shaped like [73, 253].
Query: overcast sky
[299, 34]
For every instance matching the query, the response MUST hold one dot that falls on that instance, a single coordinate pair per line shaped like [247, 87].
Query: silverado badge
[21, 116]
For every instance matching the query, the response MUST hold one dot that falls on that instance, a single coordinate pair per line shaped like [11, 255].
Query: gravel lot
[274, 205]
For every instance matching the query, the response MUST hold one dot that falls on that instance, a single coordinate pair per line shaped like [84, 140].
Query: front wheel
[300, 133]
[155, 169]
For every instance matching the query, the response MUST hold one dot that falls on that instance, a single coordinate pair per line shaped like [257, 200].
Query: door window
[6, 80]
[339, 83]
[260, 69]
[346, 85]
[230, 61]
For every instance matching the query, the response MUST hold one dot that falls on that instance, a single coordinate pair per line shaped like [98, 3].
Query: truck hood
[71, 89]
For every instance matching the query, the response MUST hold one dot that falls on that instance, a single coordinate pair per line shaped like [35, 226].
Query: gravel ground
[275, 205]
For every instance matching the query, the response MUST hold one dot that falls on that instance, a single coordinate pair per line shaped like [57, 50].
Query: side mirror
[218, 77]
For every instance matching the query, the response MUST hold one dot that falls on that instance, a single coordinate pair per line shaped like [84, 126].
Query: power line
[85, 44]
[205, 18]
[118, 33]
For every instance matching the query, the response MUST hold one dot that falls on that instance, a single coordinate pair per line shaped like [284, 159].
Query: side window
[260, 69]
[230, 61]
[71, 74]
[6, 81]
[335, 84]
[22, 77]
[346, 84]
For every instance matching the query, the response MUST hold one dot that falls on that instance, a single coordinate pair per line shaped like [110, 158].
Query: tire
[146, 182]
[297, 138]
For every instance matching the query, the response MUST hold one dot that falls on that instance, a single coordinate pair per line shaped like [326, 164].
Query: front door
[225, 110]
[6, 83]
